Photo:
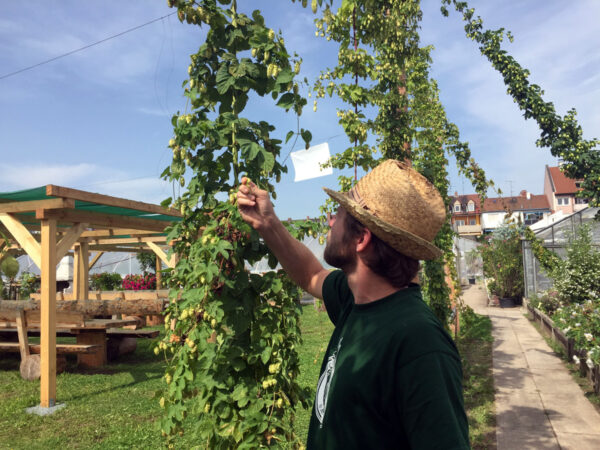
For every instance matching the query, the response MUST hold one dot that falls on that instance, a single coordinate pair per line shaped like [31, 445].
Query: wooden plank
[61, 349]
[117, 249]
[95, 259]
[23, 237]
[22, 335]
[140, 295]
[117, 232]
[103, 324]
[170, 262]
[68, 239]
[59, 191]
[74, 311]
[135, 240]
[110, 220]
[48, 315]
[118, 332]
[32, 205]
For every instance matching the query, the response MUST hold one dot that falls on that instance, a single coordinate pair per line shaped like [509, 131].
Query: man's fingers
[245, 201]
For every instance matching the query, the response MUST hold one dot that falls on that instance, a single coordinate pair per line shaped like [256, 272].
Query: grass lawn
[114, 407]
[475, 347]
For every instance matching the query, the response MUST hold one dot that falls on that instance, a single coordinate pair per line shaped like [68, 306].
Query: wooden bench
[22, 321]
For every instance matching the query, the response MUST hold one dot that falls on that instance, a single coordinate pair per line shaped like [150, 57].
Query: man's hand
[254, 204]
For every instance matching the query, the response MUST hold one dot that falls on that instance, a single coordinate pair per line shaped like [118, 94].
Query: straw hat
[398, 205]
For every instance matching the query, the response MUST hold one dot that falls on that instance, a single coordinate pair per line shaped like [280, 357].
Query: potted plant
[503, 262]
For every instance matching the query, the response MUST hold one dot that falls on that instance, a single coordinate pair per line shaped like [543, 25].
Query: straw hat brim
[401, 240]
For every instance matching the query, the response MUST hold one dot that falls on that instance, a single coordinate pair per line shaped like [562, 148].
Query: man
[391, 377]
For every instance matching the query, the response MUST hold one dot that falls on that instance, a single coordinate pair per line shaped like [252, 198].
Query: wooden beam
[23, 237]
[134, 240]
[116, 248]
[22, 335]
[170, 262]
[69, 238]
[32, 205]
[95, 259]
[110, 220]
[158, 272]
[59, 191]
[81, 282]
[116, 232]
[48, 315]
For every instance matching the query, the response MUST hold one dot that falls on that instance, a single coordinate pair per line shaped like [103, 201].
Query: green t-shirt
[391, 377]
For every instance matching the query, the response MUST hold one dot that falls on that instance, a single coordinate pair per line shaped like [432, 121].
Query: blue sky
[99, 119]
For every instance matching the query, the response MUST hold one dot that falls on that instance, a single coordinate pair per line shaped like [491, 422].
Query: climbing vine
[562, 135]
[231, 335]
[379, 45]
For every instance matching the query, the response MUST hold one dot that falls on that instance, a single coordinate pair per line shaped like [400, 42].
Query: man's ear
[363, 241]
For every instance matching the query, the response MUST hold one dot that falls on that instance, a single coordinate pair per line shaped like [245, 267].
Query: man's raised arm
[295, 258]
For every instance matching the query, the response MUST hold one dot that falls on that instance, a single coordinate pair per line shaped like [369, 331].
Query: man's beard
[339, 253]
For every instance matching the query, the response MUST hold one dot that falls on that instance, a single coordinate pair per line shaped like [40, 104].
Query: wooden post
[158, 274]
[48, 315]
[81, 269]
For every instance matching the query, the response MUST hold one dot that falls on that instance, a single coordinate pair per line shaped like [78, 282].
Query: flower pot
[507, 302]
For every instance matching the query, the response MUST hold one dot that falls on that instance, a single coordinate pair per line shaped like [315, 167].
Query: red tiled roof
[520, 203]
[464, 201]
[562, 184]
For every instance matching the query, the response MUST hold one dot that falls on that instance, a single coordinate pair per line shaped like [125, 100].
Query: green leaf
[288, 136]
[286, 101]
[285, 76]
[224, 79]
[265, 355]
[306, 136]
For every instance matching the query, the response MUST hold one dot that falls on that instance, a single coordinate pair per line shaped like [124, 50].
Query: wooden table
[94, 332]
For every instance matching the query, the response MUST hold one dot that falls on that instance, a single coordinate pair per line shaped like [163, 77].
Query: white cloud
[16, 177]
[88, 177]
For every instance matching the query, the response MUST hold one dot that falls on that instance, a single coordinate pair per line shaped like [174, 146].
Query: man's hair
[383, 260]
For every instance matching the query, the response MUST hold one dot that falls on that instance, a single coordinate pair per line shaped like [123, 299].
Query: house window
[471, 206]
[472, 222]
[578, 184]
[533, 217]
[581, 201]
[460, 223]
[562, 201]
[457, 207]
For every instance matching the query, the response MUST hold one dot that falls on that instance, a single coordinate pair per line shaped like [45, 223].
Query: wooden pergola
[51, 221]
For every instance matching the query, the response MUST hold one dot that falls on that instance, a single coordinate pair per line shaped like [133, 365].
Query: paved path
[538, 405]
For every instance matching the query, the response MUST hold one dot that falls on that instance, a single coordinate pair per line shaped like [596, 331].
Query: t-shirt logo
[324, 383]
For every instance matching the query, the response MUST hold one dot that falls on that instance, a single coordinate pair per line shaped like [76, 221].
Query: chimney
[523, 193]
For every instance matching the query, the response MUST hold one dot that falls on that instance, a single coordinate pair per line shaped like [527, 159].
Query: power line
[83, 48]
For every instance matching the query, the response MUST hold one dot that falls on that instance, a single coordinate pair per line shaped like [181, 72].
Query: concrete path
[538, 405]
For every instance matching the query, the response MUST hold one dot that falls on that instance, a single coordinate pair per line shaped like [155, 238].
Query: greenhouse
[556, 238]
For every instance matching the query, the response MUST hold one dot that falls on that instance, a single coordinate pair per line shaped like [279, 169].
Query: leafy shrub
[577, 277]
[105, 281]
[139, 282]
[503, 261]
[147, 261]
[30, 283]
[581, 321]
[547, 301]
